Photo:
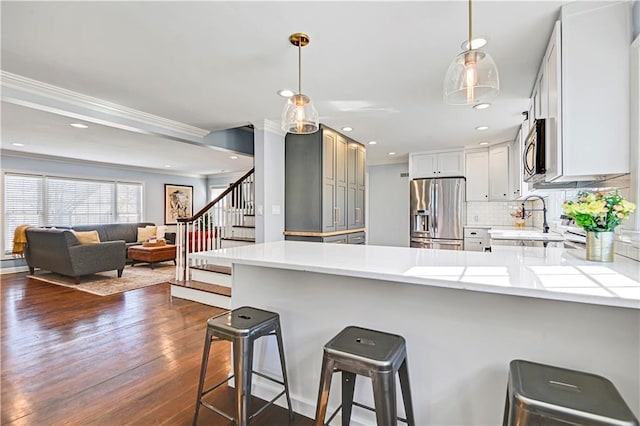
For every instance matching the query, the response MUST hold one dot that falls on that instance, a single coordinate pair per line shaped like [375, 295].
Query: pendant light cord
[300, 67]
[470, 26]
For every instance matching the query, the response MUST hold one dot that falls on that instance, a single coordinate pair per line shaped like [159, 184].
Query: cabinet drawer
[356, 238]
[476, 233]
[476, 244]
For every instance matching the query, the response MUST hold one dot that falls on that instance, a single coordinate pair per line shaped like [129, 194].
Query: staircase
[227, 221]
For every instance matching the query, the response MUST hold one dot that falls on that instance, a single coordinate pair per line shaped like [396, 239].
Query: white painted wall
[269, 181]
[634, 111]
[388, 205]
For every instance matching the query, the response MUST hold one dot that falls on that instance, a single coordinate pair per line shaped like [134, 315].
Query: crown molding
[46, 91]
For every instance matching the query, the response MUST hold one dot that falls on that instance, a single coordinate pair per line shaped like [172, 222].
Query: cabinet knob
[434, 172]
[486, 196]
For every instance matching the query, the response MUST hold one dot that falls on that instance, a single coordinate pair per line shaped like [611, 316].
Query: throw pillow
[87, 237]
[160, 230]
[145, 233]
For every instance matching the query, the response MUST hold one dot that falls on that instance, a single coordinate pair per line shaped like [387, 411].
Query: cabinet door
[360, 165]
[553, 134]
[451, 164]
[329, 212]
[499, 173]
[352, 164]
[423, 166]
[477, 174]
[515, 167]
[341, 183]
[360, 185]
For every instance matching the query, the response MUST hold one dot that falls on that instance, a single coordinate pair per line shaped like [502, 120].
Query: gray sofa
[58, 249]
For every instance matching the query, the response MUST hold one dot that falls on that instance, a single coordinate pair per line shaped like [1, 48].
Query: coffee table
[152, 255]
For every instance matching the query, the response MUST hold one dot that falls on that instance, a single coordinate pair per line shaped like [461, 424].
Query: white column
[269, 181]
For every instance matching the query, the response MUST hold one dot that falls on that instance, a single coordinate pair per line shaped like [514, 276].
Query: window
[54, 200]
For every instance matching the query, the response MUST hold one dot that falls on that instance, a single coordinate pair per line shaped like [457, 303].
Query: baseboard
[14, 269]
[203, 297]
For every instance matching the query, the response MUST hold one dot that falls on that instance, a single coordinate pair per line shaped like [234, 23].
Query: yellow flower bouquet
[600, 211]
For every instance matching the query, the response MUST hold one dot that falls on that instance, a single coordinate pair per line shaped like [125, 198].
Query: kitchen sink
[522, 235]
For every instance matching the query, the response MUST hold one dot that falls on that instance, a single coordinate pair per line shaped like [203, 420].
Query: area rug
[107, 283]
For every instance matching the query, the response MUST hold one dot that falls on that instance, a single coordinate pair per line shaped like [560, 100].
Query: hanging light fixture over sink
[472, 77]
[299, 115]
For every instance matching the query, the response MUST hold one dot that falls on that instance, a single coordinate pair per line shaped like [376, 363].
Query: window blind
[55, 200]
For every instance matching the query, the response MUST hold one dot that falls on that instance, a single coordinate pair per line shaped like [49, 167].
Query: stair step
[244, 226]
[220, 269]
[206, 287]
[243, 239]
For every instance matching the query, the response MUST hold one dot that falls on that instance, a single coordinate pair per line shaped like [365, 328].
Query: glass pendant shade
[299, 115]
[471, 78]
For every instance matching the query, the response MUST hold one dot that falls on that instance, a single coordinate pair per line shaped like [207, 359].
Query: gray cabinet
[355, 186]
[324, 183]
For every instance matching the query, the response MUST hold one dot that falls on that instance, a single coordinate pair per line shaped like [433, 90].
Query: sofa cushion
[87, 237]
[115, 231]
[145, 233]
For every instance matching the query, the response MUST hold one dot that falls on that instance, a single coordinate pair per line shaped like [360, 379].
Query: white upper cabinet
[436, 164]
[477, 174]
[583, 91]
[499, 173]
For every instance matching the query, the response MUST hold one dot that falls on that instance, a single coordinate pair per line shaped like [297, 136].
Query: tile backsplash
[499, 213]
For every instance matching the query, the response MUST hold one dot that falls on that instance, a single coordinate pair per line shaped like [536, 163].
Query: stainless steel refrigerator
[437, 213]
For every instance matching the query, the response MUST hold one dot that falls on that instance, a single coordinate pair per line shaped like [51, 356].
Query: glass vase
[600, 246]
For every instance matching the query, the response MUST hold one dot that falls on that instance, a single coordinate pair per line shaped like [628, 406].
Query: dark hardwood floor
[72, 358]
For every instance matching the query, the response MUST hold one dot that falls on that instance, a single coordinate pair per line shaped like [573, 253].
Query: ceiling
[375, 66]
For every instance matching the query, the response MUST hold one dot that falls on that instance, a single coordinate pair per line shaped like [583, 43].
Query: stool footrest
[266, 405]
[215, 410]
[357, 404]
[269, 378]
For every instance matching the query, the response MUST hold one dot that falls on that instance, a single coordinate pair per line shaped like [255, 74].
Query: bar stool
[539, 394]
[242, 327]
[368, 353]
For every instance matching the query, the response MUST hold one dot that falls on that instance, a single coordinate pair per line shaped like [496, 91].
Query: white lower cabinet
[477, 239]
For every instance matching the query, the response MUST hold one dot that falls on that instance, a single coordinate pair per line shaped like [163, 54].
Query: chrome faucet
[545, 225]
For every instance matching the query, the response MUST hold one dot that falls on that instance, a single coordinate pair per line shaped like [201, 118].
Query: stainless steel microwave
[533, 154]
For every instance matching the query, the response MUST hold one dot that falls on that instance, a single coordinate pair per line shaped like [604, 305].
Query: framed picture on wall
[178, 202]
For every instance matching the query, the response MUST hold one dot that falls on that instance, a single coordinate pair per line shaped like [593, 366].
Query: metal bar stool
[242, 327]
[539, 394]
[368, 353]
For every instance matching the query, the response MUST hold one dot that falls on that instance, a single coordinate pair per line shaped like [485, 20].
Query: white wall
[388, 205]
[269, 181]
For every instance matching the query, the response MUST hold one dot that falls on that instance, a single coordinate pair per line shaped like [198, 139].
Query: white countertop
[546, 273]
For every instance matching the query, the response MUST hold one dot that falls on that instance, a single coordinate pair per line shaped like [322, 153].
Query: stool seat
[244, 321]
[242, 326]
[372, 348]
[375, 354]
[537, 391]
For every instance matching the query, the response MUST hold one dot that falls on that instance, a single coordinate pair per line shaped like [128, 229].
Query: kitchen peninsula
[464, 315]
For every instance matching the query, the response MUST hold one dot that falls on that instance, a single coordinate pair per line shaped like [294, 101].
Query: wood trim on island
[322, 234]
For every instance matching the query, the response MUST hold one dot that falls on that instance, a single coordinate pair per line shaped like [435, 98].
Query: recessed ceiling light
[347, 129]
[483, 143]
[79, 125]
[285, 93]
[482, 106]
[482, 127]
[17, 144]
[168, 166]
[233, 157]
[372, 142]
[476, 43]
[392, 153]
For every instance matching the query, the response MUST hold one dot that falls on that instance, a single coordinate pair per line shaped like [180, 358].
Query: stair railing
[206, 229]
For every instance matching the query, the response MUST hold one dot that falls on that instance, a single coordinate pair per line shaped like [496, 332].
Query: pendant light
[472, 77]
[299, 115]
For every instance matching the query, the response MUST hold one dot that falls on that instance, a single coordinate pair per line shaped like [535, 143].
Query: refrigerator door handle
[434, 208]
